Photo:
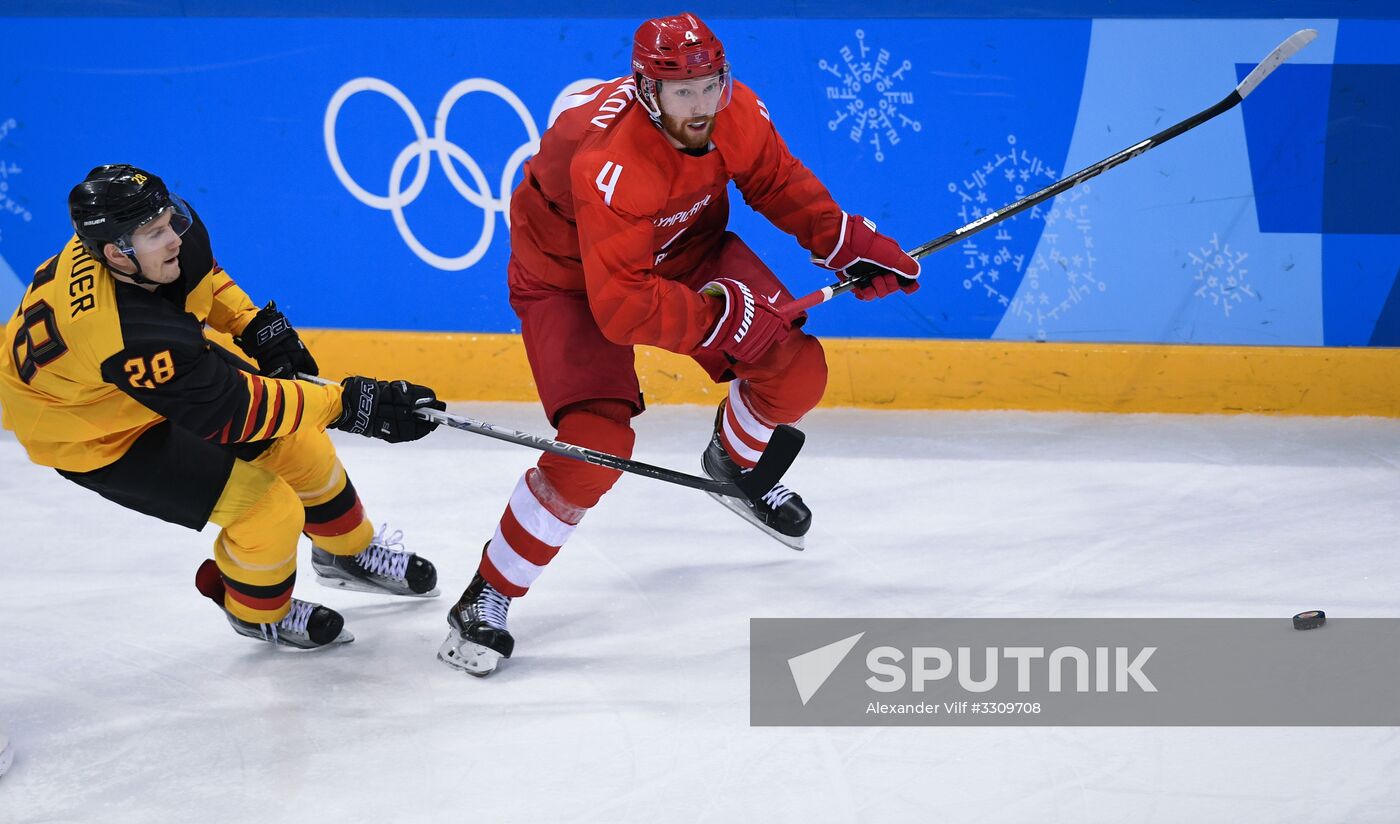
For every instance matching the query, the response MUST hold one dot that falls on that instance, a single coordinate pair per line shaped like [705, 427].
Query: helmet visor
[154, 233]
[694, 96]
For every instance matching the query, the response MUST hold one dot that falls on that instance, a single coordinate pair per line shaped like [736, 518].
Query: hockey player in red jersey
[618, 238]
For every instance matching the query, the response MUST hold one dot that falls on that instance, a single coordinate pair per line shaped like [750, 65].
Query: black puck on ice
[1312, 619]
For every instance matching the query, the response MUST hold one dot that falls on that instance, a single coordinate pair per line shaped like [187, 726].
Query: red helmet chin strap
[648, 95]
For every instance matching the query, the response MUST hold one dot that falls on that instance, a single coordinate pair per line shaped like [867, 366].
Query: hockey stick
[782, 450]
[863, 271]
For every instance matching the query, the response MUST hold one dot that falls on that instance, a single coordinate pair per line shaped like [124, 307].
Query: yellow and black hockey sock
[335, 518]
[262, 519]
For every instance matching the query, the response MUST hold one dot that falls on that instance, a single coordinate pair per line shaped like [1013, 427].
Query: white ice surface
[129, 699]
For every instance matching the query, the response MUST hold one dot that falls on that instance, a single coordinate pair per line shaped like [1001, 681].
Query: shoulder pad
[748, 103]
[46, 271]
[626, 182]
[149, 322]
[744, 127]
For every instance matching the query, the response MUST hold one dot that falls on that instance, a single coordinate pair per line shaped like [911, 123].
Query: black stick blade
[782, 450]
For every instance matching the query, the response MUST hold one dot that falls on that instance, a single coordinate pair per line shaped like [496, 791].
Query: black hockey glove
[385, 409]
[274, 344]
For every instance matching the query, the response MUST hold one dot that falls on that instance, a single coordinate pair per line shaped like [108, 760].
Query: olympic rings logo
[423, 148]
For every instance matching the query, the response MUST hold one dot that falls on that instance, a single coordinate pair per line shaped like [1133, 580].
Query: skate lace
[295, 621]
[778, 495]
[491, 607]
[382, 558]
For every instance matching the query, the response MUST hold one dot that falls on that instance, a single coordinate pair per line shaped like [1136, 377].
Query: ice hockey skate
[306, 626]
[385, 567]
[779, 512]
[479, 638]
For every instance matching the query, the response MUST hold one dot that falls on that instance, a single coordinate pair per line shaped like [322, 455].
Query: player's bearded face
[690, 132]
[688, 108]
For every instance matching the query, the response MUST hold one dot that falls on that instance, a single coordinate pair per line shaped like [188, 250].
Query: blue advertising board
[359, 169]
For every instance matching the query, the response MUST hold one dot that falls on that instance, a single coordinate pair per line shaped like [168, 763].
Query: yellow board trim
[934, 374]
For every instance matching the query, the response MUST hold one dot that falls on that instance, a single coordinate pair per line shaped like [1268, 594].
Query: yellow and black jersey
[94, 362]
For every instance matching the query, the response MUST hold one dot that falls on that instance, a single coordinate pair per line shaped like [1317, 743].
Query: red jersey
[609, 207]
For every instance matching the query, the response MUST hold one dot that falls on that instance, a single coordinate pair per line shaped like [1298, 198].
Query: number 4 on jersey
[606, 182]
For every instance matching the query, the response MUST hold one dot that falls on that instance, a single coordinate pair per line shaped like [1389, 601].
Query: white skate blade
[343, 638]
[7, 755]
[738, 508]
[360, 586]
[473, 659]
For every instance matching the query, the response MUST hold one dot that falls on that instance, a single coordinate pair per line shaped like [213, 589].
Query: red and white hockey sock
[743, 434]
[535, 525]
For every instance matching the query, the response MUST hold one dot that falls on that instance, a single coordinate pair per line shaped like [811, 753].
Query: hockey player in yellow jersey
[110, 380]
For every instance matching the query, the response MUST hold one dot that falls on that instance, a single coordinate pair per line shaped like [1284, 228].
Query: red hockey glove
[746, 327]
[859, 243]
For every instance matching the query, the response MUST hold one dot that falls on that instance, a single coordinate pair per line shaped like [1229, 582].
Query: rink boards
[922, 374]
[359, 172]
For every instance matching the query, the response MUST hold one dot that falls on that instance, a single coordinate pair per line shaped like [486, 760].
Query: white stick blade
[1276, 58]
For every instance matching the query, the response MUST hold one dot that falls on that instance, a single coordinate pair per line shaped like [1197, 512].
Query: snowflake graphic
[1060, 274]
[866, 95]
[8, 170]
[1221, 277]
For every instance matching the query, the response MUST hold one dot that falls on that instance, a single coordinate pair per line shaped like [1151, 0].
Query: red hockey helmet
[675, 50]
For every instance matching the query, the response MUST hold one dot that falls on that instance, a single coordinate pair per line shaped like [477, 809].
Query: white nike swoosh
[773, 298]
[673, 237]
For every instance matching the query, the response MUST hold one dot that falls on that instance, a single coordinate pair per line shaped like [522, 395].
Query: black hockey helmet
[115, 200]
